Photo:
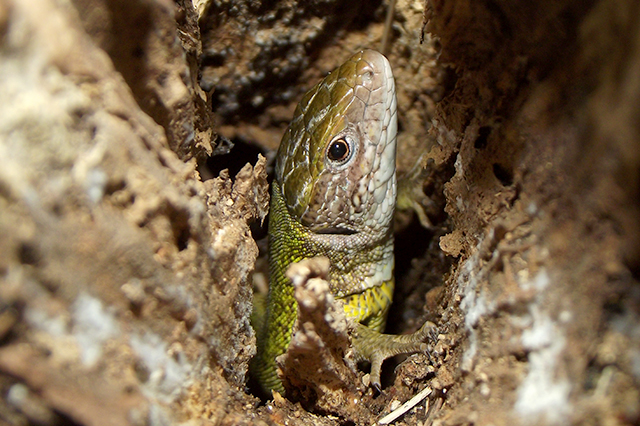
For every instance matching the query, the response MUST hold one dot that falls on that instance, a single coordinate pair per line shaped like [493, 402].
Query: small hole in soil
[483, 137]
[179, 220]
[182, 238]
[504, 175]
[114, 186]
[28, 254]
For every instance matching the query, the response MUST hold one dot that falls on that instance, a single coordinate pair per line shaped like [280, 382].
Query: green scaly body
[334, 195]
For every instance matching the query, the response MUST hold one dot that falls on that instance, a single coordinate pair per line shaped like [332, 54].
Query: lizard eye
[339, 150]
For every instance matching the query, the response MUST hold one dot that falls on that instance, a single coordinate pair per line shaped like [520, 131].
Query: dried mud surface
[126, 259]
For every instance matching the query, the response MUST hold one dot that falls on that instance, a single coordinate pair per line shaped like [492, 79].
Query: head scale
[336, 162]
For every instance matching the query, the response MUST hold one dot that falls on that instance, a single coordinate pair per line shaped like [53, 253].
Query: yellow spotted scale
[334, 195]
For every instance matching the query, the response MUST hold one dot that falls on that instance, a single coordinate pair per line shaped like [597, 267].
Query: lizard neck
[359, 261]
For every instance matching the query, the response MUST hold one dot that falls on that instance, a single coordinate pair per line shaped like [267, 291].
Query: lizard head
[336, 162]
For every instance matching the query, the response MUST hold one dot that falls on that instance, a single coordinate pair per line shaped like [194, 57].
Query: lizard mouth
[335, 230]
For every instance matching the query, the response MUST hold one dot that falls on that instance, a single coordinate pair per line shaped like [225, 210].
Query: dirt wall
[126, 256]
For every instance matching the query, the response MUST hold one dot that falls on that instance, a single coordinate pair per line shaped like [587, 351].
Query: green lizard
[334, 195]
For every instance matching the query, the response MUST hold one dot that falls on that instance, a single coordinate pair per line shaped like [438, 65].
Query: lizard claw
[376, 367]
[376, 347]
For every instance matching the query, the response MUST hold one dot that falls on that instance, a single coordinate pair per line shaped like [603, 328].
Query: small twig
[433, 412]
[386, 33]
[405, 407]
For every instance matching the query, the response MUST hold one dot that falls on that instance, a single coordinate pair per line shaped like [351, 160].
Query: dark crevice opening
[504, 175]
[241, 154]
[483, 137]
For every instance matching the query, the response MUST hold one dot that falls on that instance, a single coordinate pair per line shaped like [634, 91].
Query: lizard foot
[411, 195]
[376, 347]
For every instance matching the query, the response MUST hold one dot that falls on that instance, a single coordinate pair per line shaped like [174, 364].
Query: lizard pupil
[338, 150]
